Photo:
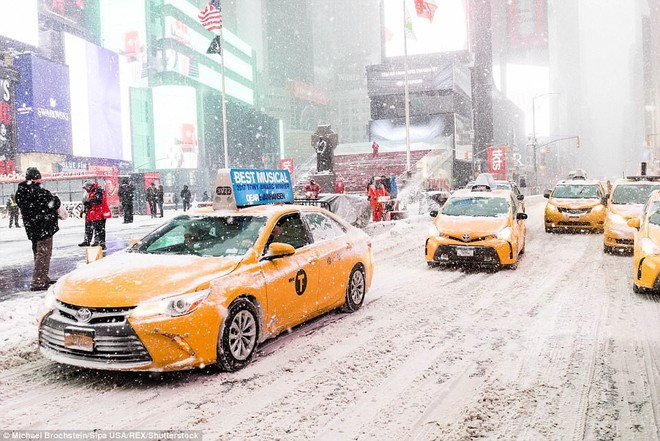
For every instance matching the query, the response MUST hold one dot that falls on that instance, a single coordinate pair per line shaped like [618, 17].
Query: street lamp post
[534, 141]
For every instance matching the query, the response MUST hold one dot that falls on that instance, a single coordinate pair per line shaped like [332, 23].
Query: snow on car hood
[126, 279]
[627, 210]
[458, 225]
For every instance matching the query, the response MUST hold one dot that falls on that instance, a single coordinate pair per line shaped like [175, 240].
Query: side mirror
[133, 241]
[546, 194]
[278, 249]
[521, 197]
[634, 223]
[521, 216]
[433, 213]
[604, 200]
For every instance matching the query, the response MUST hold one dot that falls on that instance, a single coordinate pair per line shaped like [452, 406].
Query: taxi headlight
[551, 208]
[598, 208]
[50, 299]
[616, 219]
[505, 234]
[434, 232]
[172, 306]
[649, 247]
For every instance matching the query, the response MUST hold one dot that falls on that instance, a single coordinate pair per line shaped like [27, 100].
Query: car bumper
[487, 252]
[127, 344]
[588, 221]
[618, 236]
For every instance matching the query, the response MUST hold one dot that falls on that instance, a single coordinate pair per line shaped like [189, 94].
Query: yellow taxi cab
[207, 287]
[480, 225]
[576, 204]
[625, 202]
[646, 248]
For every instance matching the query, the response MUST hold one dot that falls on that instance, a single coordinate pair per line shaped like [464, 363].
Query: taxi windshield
[572, 191]
[209, 236]
[654, 217]
[476, 206]
[633, 194]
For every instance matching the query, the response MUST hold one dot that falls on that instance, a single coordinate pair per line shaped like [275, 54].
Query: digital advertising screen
[447, 31]
[99, 101]
[123, 30]
[43, 106]
[19, 20]
[175, 127]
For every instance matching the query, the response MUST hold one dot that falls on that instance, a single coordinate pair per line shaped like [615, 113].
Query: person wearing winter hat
[39, 211]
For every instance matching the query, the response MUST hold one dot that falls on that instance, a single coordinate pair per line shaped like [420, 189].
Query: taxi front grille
[469, 238]
[98, 315]
[625, 241]
[114, 343]
[574, 210]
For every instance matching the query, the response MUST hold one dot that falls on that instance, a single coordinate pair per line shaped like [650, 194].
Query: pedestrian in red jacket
[97, 211]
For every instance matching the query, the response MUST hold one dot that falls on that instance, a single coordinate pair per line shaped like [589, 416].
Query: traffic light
[577, 142]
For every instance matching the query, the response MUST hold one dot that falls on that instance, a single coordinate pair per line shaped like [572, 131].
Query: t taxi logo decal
[301, 282]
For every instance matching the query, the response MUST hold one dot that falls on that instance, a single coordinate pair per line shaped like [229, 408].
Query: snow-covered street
[560, 348]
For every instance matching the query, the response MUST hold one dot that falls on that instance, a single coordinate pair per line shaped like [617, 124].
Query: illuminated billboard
[426, 132]
[19, 20]
[175, 127]
[446, 32]
[43, 109]
[123, 30]
[99, 101]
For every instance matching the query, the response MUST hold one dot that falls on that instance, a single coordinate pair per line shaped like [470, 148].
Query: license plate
[81, 339]
[573, 218]
[464, 252]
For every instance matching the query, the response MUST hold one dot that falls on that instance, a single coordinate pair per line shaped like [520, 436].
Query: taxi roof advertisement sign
[259, 187]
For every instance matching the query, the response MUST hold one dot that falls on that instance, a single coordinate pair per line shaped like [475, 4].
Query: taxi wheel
[549, 230]
[638, 289]
[239, 336]
[356, 289]
[608, 249]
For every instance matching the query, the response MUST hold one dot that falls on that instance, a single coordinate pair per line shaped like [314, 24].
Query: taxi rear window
[212, 236]
[476, 206]
[633, 194]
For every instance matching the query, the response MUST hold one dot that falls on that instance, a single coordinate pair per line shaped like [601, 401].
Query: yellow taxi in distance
[575, 205]
[477, 226]
[206, 288]
[625, 202]
[646, 249]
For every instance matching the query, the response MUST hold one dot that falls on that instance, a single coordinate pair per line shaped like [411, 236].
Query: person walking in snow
[39, 211]
[12, 211]
[96, 213]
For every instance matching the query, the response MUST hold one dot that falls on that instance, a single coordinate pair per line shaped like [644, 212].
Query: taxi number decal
[301, 282]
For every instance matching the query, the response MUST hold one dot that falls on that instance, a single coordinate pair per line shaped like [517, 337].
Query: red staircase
[355, 170]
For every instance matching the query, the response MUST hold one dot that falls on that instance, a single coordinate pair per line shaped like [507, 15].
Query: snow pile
[18, 329]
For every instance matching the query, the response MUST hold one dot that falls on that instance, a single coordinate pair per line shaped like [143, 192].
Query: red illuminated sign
[497, 161]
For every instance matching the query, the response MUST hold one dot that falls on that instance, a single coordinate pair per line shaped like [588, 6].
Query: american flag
[211, 16]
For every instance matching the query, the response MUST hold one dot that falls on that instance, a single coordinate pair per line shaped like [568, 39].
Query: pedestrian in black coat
[160, 199]
[126, 196]
[39, 211]
[186, 197]
[151, 198]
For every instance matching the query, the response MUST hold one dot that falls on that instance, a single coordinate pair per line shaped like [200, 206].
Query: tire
[240, 335]
[638, 289]
[549, 230]
[522, 250]
[432, 264]
[608, 249]
[356, 289]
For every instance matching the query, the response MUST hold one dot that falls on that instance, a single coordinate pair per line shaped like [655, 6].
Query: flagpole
[406, 92]
[224, 103]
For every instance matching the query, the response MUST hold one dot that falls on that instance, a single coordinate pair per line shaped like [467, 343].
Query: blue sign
[259, 187]
[43, 106]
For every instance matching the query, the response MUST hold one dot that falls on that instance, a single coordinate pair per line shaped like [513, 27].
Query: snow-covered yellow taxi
[206, 288]
[625, 202]
[480, 226]
[646, 249]
[576, 205]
